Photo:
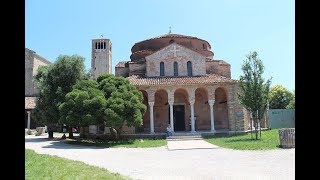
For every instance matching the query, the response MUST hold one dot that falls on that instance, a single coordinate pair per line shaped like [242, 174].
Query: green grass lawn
[131, 143]
[39, 166]
[269, 140]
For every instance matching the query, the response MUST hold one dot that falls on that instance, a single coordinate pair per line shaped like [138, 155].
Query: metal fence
[281, 118]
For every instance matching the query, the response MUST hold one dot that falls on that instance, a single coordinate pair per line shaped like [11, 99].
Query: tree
[280, 97]
[54, 82]
[84, 105]
[124, 103]
[292, 103]
[254, 90]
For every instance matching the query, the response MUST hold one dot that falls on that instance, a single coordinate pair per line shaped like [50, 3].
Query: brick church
[183, 85]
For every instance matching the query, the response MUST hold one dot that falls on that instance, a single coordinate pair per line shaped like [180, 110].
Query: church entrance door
[178, 118]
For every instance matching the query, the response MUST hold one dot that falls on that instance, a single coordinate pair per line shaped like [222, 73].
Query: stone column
[151, 117]
[211, 102]
[171, 116]
[28, 125]
[192, 116]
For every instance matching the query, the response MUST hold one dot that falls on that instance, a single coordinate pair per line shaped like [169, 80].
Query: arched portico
[175, 106]
[181, 110]
[202, 110]
[161, 111]
[221, 109]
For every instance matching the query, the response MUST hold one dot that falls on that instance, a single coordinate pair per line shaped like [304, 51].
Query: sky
[234, 28]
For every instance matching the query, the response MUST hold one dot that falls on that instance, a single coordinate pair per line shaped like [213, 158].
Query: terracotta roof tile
[29, 102]
[170, 35]
[208, 79]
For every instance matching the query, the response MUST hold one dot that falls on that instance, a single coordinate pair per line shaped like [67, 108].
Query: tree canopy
[280, 97]
[292, 103]
[124, 102]
[54, 82]
[84, 105]
[254, 90]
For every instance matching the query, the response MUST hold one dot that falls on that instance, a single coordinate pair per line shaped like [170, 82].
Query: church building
[183, 85]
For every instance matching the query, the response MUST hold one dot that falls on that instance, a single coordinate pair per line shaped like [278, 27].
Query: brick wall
[122, 71]
[218, 67]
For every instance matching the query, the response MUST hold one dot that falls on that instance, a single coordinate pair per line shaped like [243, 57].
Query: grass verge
[269, 140]
[40, 166]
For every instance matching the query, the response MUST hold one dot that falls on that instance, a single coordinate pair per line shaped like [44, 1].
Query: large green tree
[279, 97]
[54, 82]
[124, 103]
[254, 90]
[292, 103]
[84, 105]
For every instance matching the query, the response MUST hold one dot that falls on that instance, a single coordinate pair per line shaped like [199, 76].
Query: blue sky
[232, 27]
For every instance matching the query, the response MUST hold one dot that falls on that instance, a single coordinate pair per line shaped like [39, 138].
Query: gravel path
[161, 163]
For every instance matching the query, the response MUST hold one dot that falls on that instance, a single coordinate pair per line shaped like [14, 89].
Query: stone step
[184, 137]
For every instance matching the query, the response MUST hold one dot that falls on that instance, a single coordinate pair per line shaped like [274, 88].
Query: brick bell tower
[101, 57]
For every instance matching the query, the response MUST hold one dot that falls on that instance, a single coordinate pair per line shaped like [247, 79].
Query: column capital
[151, 103]
[170, 103]
[211, 102]
[191, 101]
[28, 112]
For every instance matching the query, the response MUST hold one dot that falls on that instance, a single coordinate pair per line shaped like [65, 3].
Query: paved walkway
[189, 144]
[161, 163]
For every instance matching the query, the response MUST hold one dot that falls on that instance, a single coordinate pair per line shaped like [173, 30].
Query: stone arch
[146, 117]
[221, 119]
[161, 110]
[202, 109]
[181, 98]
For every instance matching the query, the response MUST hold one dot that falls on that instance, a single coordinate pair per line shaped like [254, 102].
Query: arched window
[175, 69]
[171, 41]
[204, 46]
[189, 67]
[161, 69]
[99, 45]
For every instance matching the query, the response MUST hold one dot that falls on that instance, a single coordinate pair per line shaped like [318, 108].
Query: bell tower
[101, 57]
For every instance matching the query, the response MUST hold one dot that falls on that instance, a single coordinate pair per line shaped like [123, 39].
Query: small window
[175, 69]
[161, 69]
[189, 67]
[171, 41]
[104, 44]
[204, 46]
[110, 47]
[96, 45]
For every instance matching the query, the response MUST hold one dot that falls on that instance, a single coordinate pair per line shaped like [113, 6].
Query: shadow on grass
[105, 144]
[63, 145]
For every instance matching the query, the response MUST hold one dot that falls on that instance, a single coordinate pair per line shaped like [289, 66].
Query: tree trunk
[50, 132]
[82, 131]
[260, 128]
[118, 133]
[70, 133]
[251, 126]
[113, 133]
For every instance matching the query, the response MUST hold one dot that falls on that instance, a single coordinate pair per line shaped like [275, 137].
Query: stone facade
[195, 94]
[175, 53]
[101, 55]
[32, 62]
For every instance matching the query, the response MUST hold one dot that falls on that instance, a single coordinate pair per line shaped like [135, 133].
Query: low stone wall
[287, 137]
